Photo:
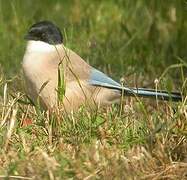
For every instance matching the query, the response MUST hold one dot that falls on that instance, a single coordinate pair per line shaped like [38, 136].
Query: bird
[47, 62]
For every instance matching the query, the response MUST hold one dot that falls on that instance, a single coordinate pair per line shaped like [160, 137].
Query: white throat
[40, 46]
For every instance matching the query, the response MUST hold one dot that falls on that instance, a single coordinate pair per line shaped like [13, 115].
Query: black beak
[28, 36]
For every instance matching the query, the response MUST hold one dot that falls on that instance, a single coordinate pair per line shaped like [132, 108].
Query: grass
[144, 139]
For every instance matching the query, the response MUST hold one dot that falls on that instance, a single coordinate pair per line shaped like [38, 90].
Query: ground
[143, 42]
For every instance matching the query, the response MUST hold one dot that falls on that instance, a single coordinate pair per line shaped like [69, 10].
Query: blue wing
[98, 78]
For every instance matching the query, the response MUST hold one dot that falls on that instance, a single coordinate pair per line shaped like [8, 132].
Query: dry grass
[144, 142]
[143, 139]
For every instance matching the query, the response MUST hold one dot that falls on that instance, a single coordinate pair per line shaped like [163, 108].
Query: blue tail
[152, 93]
[148, 93]
[98, 78]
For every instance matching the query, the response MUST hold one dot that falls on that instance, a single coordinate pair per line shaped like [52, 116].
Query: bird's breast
[41, 79]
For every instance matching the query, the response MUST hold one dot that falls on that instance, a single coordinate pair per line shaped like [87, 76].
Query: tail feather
[143, 92]
[152, 93]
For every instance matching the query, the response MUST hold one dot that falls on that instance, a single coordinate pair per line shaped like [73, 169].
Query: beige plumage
[84, 85]
[40, 68]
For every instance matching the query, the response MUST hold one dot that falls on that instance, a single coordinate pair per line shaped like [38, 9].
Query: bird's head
[45, 31]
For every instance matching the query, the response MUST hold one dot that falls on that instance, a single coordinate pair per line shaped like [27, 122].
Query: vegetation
[141, 41]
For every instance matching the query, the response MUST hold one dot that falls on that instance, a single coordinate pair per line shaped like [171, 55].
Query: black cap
[45, 31]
